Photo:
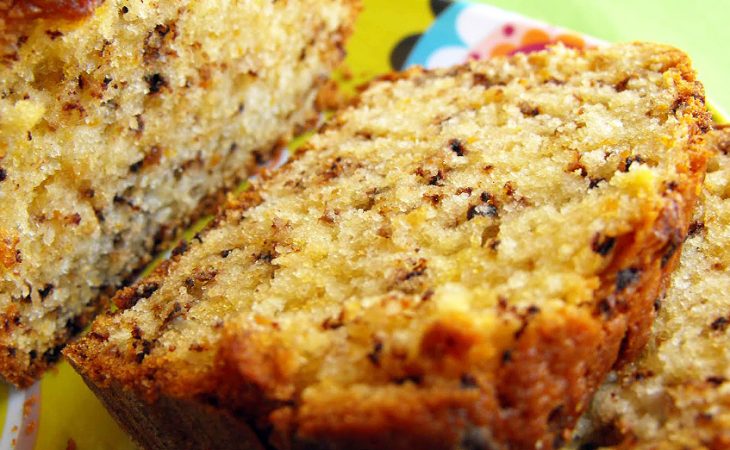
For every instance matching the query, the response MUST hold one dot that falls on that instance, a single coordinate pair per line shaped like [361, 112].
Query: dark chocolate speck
[457, 147]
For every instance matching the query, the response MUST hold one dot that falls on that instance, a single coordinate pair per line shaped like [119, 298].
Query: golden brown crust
[519, 385]
[19, 11]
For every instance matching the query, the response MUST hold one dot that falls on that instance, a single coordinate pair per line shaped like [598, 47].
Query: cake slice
[677, 394]
[117, 119]
[455, 261]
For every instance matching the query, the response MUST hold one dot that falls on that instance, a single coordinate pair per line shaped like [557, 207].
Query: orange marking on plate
[535, 36]
[502, 49]
[571, 40]
[28, 405]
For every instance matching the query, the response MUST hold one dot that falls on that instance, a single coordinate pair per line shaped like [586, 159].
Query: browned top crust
[18, 11]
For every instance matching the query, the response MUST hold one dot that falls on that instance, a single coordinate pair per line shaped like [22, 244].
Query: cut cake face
[455, 260]
[117, 125]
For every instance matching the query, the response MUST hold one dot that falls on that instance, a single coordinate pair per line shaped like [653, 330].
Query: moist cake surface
[677, 394]
[14, 13]
[113, 129]
[455, 261]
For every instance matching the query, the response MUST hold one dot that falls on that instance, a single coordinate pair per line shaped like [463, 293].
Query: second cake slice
[456, 261]
[119, 126]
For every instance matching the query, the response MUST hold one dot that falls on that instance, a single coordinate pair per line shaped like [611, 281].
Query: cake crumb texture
[14, 13]
[456, 260]
[115, 126]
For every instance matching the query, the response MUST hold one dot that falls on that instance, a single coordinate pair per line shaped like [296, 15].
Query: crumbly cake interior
[472, 197]
[677, 395]
[14, 13]
[119, 124]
